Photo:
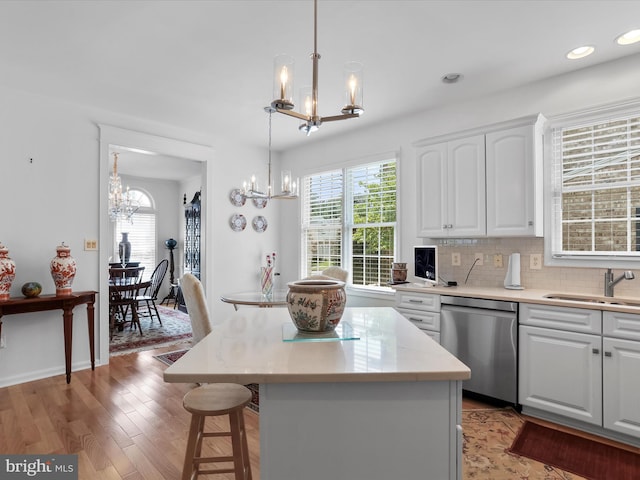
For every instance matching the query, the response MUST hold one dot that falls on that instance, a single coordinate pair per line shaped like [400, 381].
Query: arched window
[142, 233]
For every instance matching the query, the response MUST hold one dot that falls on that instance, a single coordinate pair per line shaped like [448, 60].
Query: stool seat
[215, 400]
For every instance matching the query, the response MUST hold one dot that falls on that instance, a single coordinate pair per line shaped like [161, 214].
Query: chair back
[197, 308]
[156, 279]
[337, 273]
[124, 283]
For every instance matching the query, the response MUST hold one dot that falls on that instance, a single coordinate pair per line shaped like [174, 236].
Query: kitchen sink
[593, 299]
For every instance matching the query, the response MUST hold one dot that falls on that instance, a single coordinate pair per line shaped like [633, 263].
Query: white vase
[7, 273]
[63, 270]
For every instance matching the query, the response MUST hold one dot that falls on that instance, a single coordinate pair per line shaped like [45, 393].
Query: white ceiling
[207, 65]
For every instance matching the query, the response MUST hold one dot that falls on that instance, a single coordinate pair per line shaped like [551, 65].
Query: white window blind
[596, 185]
[349, 220]
[142, 235]
[371, 220]
[322, 221]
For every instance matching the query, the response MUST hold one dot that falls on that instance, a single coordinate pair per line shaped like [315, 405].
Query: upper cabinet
[514, 182]
[451, 188]
[485, 182]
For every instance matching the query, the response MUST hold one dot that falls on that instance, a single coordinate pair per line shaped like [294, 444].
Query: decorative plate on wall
[260, 202]
[237, 222]
[259, 224]
[237, 198]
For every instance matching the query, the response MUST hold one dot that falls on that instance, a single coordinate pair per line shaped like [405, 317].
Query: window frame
[120, 226]
[552, 202]
[346, 224]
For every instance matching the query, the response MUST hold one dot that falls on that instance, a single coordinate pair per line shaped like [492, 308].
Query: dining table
[374, 399]
[278, 298]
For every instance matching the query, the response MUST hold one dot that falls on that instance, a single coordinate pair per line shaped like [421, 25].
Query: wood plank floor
[122, 420]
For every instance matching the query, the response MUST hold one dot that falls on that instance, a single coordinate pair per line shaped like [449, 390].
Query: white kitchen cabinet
[514, 181]
[451, 188]
[621, 364]
[422, 309]
[485, 182]
[561, 373]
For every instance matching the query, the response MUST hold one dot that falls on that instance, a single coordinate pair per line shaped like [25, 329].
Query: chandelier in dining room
[122, 205]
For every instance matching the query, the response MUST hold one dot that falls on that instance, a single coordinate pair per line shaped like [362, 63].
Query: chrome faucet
[609, 282]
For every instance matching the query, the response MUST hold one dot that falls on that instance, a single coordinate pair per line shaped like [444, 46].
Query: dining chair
[197, 308]
[149, 295]
[124, 285]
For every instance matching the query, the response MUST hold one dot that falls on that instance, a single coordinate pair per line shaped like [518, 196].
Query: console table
[65, 303]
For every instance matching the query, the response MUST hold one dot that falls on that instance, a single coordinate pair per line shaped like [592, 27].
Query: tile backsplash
[556, 279]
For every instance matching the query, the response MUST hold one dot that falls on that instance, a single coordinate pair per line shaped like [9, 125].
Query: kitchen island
[379, 400]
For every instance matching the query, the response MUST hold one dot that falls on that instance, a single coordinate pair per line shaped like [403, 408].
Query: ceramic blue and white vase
[316, 306]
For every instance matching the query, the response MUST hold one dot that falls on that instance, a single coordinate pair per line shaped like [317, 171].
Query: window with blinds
[142, 234]
[349, 220]
[597, 188]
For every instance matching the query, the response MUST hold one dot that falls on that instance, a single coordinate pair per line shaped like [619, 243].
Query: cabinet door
[514, 183]
[621, 365]
[432, 190]
[466, 210]
[561, 373]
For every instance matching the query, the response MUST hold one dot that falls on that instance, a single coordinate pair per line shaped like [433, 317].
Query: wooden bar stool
[214, 400]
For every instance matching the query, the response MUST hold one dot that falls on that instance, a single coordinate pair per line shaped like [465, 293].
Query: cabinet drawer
[562, 318]
[418, 301]
[621, 325]
[423, 320]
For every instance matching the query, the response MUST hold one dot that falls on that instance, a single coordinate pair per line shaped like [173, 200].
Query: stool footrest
[215, 434]
[212, 459]
[216, 472]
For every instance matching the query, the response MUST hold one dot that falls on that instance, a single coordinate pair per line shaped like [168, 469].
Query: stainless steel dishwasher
[483, 335]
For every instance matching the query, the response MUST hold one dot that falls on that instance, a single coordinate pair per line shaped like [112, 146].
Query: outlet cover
[455, 259]
[497, 261]
[90, 244]
[480, 259]
[535, 261]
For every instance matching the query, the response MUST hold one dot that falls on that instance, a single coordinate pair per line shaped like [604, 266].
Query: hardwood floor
[122, 420]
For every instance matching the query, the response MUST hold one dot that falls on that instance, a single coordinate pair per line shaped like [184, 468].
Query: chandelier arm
[293, 113]
[339, 117]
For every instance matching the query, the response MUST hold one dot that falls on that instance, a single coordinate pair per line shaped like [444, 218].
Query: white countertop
[248, 347]
[529, 296]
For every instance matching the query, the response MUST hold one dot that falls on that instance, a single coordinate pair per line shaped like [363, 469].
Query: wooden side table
[65, 303]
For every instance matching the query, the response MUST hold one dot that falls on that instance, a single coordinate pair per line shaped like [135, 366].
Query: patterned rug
[175, 329]
[171, 357]
[488, 435]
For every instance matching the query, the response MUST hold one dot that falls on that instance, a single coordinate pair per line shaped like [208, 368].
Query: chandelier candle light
[283, 88]
[289, 187]
[121, 205]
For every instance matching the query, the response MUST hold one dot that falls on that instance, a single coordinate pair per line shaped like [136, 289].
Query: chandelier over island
[283, 88]
[121, 205]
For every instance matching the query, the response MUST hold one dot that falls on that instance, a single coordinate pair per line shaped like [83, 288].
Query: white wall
[55, 197]
[609, 83]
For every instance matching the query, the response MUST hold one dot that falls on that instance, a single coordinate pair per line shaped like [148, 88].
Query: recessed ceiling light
[580, 52]
[452, 78]
[628, 38]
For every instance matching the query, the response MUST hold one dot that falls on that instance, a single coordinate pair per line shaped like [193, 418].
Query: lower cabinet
[561, 372]
[422, 309]
[621, 372]
[589, 374]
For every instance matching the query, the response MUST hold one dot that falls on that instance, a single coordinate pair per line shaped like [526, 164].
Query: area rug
[488, 435]
[175, 329]
[171, 357]
[582, 456]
